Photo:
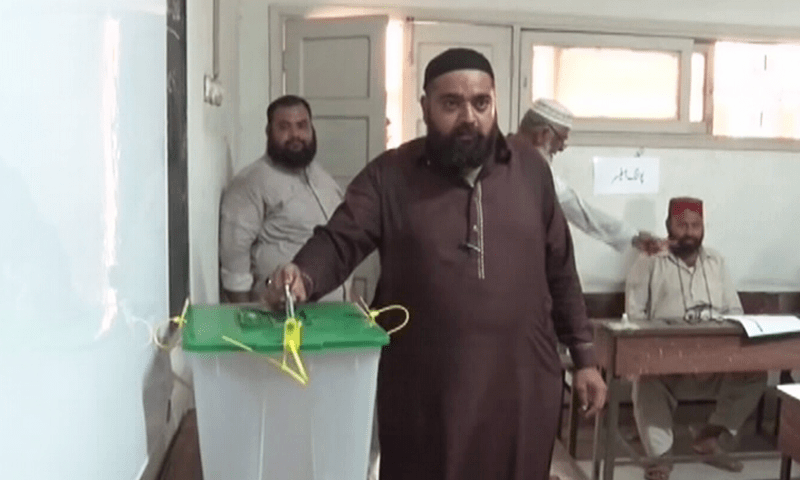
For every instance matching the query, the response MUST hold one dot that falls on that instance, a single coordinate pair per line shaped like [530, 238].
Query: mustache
[291, 157]
[467, 136]
[685, 241]
[688, 239]
[465, 146]
[466, 129]
[685, 244]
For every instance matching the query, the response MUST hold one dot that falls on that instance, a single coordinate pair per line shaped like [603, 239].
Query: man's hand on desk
[591, 390]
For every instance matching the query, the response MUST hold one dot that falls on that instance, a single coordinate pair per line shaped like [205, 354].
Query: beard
[464, 149]
[293, 159]
[685, 245]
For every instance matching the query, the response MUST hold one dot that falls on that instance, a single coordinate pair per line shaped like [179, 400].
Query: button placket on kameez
[310, 185]
[688, 273]
[475, 237]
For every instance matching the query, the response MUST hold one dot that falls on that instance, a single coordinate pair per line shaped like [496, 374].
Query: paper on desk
[761, 325]
[623, 326]
[791, 389]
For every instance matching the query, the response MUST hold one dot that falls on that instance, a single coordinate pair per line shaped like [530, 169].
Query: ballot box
[260, 414]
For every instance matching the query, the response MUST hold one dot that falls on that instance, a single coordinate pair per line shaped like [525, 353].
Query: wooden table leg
[605, 428]
[785, 377]
[559, 436]
[574, 420]
[597, 449]
[612, 425]
[786, 467]
[760, 414]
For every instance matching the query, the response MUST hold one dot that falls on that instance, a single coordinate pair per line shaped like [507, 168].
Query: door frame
[278, 14]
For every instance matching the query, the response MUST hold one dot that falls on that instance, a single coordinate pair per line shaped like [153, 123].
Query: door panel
[338, 65]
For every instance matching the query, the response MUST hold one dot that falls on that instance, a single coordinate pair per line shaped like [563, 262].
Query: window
[697, 99]
[617, 82]
[756, 90]
[608, 82]
[675, 85]
[650, 84]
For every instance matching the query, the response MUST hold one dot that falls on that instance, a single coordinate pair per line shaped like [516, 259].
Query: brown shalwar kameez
[470, 389]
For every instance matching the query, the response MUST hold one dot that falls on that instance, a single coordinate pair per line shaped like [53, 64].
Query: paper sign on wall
[625, 175]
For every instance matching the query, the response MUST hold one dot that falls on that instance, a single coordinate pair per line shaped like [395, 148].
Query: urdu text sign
[625, 175]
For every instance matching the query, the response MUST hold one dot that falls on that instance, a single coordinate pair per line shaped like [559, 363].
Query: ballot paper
[623, 326]
[762, 325]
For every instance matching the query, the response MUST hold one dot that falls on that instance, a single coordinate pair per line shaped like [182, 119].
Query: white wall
[253, 40]
[745, 12]
[751, 203]
[750, 195]
[212, 137]
[253, 70]
[83, 253]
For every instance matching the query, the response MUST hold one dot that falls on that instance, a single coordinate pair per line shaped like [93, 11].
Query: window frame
[683, 47]
[704, 34]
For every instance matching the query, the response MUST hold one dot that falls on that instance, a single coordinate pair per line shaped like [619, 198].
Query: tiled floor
[183, 461]
[753, 470]
[692, 414]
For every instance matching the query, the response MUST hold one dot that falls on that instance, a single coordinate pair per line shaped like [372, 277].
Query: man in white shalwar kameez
[547, 125]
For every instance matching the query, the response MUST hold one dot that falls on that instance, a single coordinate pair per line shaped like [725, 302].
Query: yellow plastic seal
[292, 339]
[301, 376]
[292, 334]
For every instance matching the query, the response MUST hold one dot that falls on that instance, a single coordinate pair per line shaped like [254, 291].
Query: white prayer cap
[553, 111]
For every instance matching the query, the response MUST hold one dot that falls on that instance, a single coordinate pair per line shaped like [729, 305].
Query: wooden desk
[789, 430]
[675, 347]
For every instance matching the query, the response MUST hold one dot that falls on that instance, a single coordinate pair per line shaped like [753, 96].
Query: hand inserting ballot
[288, 275]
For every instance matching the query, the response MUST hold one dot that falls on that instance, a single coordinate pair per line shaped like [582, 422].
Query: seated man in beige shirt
[688, 282]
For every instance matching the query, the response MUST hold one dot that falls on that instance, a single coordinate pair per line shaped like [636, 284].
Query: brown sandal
[723, 461]
[657, 471]
[710, 452]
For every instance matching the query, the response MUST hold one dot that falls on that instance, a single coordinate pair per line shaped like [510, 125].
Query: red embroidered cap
[678, 205]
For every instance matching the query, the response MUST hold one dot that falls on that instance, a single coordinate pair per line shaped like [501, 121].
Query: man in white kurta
[547, 125]
[689, 282]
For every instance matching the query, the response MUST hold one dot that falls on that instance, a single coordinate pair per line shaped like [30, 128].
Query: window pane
[608, 82]
[696, 100]
[544, 73]
[756, 90]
